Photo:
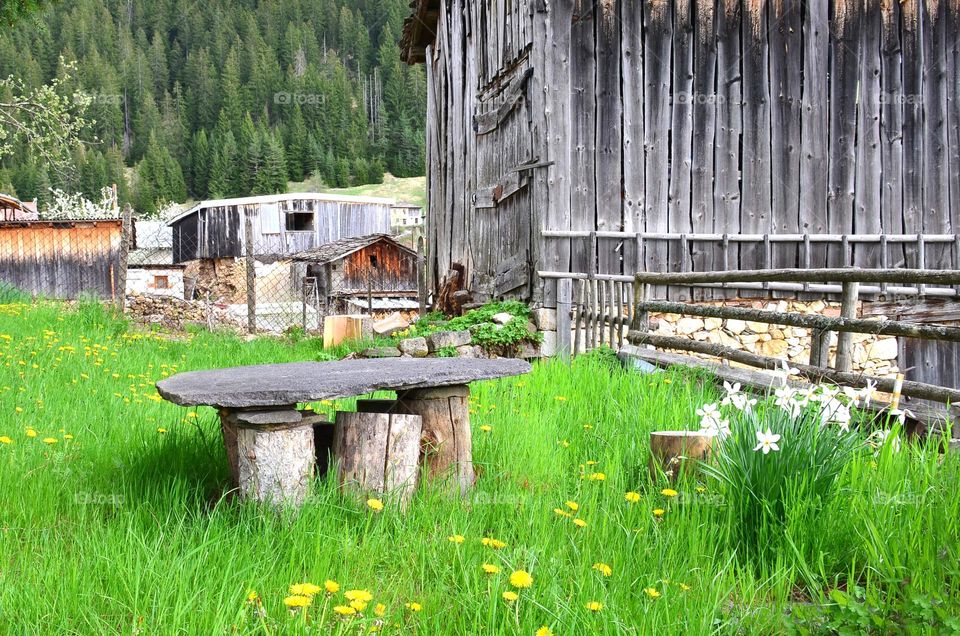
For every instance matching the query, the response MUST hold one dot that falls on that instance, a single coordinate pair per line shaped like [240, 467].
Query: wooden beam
[823, 275]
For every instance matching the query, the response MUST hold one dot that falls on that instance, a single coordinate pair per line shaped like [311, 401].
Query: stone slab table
[269, 443]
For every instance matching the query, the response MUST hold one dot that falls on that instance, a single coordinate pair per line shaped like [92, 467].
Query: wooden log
[848, 309]
[809, 321]
[816, 374]
[673, 452]
[378, 453]
[446, 443]
[823, 275]
[339, 329]
[251, 272]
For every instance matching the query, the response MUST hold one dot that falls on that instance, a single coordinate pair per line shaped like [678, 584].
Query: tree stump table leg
[274, 453]
[378, 452]
[446, 446]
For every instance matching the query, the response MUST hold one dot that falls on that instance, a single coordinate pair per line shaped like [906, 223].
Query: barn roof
[277, 198]
[151, 257]
[419, 30]
[344, 247]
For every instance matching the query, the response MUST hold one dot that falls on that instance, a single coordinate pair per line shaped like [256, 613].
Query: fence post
[848, 309]
[421, 277]
[251, 272]
[819, 348]
[126, 238]
[564, 302]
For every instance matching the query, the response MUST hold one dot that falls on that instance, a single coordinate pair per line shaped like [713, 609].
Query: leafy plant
[493, 337]
[447, 352]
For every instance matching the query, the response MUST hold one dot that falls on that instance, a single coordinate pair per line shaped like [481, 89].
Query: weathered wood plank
[634, 159]
[813, 117]
[608, 164]
[936, 181]
[891, 131]
[727, 198]
[868, 180]
[704, 130]
[681, 142]
[912, 73]
[582, 129]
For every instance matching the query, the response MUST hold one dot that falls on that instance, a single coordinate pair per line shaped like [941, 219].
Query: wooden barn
[282, 224]
[63, 258]
[362, 271]
[684, 135]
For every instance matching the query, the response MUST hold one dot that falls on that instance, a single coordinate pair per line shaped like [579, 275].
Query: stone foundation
[874, 355]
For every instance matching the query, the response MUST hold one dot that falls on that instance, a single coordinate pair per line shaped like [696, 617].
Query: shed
[282, 224]
[151, 270]
[13, 209]
[374, 266]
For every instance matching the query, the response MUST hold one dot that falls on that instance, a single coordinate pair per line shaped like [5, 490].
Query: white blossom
[767, 441]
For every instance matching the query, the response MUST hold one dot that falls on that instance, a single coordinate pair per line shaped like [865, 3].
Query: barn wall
[395, 270]
[706, 116]
[60, 259]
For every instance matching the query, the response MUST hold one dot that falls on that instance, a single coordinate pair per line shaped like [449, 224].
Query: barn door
[500, 230]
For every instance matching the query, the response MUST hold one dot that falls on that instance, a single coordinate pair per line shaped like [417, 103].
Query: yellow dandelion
[161, 430]
[701, 489]
[68, 436]
[632, 497]
[304, 589]
[456, 538]
[379, 609]
[296, 600]
[594, 606]
[252, 596]
[592, 462]
[658, 512]
[587, 427]
[510, 596]
[560, 398]
[31, 432]
[669, 492]
[684, 587]
[572, 505]
[544, 631]
[358, 605]
[490, 568]
[358, 595]
[603, 569]
[331, 586]
[561, 512]
[50, 440]
[344, 610]
[651, 592]
[596, 476]
[490, 542]
[413, 606]
[521, 579]
[564, 443]
[580, 523]
[375, 504]
[19, 409]
[5, 440]
[486, 428]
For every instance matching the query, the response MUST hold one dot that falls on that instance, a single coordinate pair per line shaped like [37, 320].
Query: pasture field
[112, 518]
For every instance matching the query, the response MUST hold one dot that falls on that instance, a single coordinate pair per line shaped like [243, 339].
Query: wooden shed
[62, 258]
[282, 224]
[680, 135]
[373, 268]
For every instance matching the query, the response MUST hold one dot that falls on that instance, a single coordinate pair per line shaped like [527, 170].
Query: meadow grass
[112, 519]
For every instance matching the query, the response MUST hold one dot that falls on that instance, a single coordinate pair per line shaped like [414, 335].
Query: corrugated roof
[338, 249]
[150, 256]
[277, 198]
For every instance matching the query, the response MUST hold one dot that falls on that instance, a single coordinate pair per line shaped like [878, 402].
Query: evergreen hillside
[222, 98]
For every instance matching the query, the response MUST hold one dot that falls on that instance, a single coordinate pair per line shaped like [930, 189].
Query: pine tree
[200, 159]
[298, 145]
[224, 153]
[273, 177]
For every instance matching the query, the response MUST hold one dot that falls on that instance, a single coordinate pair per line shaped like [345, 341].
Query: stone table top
[293, 382]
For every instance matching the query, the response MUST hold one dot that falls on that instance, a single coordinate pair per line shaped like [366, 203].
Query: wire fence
[132, 264]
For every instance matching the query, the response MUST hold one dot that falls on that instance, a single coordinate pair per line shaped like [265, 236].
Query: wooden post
[446, 444]
[641, 319]
[251, 272]
[671, 451]
[126, 239]
[378, 452]
[564, 302]
[848, 309]
[421, 277]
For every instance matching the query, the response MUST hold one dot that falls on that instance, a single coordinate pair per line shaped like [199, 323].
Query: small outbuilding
[151, 270]
[362, 271]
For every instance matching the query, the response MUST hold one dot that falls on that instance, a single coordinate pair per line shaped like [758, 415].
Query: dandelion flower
[594, 606]
[31, 432]
[490, 542]
[379, 609]
[669, 492]
[297, 600]
[544, 631]
[587, 427]
[767, 442]
[344, 610]
[632, 497]
[486, 428]
[572, 505]
[603, 569]
[701, 489]
[560, 398]
[561, 512]
[651, 592]
[510, 596]
[50, 440]
[596, 476]
[564, 443]
[375, 504]
[161, 430]
[358, 595]
[684, 587]
[490, 568]
[331, 586]
[68, 436]
[521, 579]
[658, 512]
[304, 589]
[358, 605]
[413, 606]
[5, 440]
[456, 538]
[580, 523]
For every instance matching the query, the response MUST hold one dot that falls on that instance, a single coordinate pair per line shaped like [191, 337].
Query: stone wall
[874, 355]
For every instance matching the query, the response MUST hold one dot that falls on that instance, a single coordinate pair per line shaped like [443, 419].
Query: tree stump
[378, 452]
[674, 451]
[446, 445]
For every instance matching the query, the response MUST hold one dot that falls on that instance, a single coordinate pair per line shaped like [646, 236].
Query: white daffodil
[731, 389]
[878, 438]
[866, 393]
[900, 415]
[767, 441]
[785, 372]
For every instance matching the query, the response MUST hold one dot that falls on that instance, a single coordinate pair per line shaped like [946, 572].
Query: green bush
[493, 338]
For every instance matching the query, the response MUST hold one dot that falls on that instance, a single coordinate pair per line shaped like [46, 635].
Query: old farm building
[282, 224]
[675, 120]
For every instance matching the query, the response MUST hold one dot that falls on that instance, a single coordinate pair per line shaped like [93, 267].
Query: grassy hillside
[412, 190]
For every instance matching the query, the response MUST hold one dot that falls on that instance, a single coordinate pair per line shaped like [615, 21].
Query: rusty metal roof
[338, 249]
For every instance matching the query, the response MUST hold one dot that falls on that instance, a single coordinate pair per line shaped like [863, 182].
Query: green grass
[409, 190]
[121, 529]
